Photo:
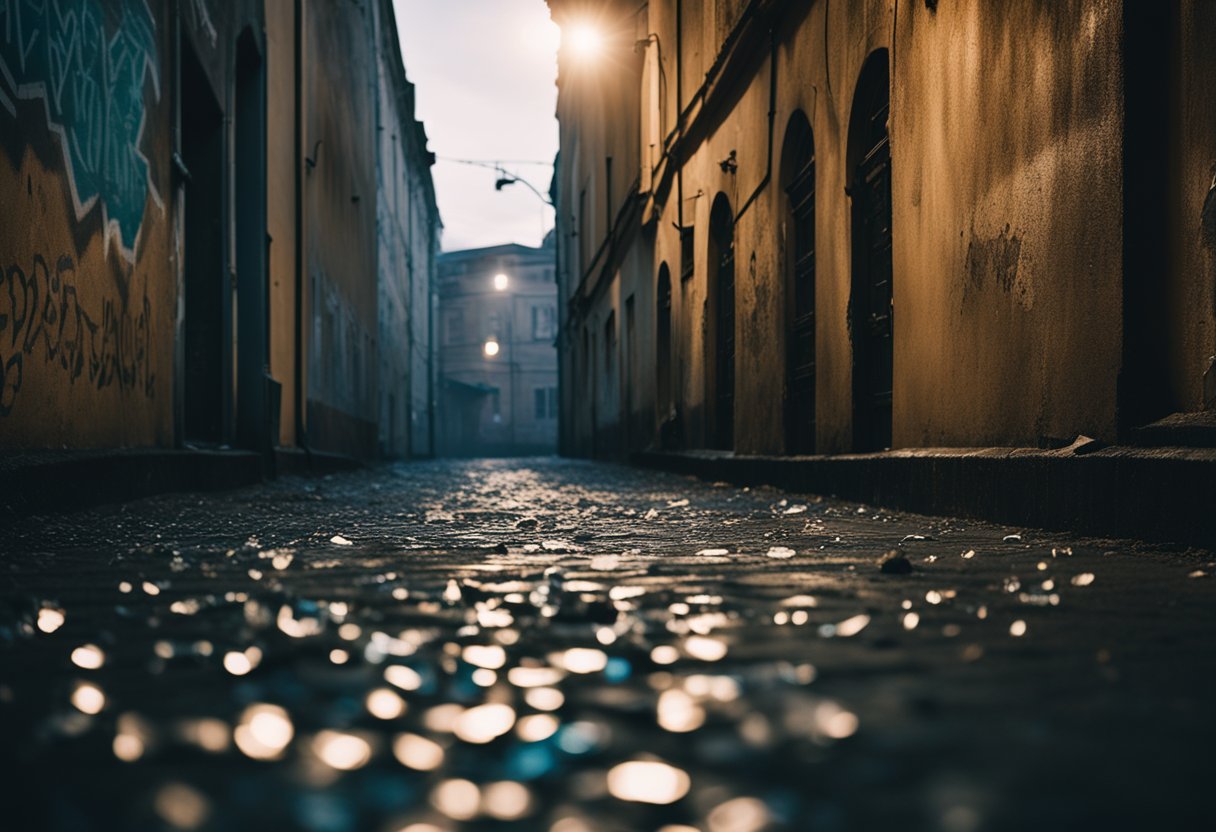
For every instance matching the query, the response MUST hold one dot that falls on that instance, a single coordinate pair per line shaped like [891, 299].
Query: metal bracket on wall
[179, 167]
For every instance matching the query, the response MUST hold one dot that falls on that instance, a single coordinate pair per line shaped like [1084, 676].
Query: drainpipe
[431, 368]
[410, 312]
[179, 324]
[772, 123]
[301, 422]
[680, 114]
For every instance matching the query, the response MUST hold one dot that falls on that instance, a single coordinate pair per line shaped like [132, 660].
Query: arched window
[722, 305]
[798, 178]
[871, 302]
[662, 370]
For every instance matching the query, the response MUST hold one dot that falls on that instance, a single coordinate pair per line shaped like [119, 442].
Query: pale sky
[485, 73]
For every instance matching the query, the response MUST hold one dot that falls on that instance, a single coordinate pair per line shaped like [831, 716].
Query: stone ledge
[1163, 494]
[41, 482]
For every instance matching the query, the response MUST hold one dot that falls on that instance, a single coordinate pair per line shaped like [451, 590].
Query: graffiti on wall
[200, 19]
[41, 319]
[88, 63]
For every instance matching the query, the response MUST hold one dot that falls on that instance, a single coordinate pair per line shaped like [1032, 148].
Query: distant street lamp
[501, 281]
[505, 179]
[491, 348]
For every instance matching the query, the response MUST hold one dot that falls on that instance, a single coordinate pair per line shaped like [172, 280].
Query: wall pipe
[680, 113]
[772, 124]
[301, 423]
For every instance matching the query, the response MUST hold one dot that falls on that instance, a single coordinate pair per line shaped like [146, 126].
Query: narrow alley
[607, 415]
[583, 647]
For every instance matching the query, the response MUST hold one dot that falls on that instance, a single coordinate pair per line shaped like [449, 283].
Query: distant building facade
[498, 360]
[221, 228]
[408, 247]
[811, 227]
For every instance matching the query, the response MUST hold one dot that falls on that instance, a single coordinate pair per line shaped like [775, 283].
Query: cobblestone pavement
[571, 647]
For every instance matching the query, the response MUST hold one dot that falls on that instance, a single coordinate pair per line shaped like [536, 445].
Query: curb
[49, 482]
[1161, 494]
[293, 462]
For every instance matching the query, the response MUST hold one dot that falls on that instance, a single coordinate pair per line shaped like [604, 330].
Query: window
[663, 354]
[545, 403]
[582, 232]
[544, 320]
[494, 325]
[609, 341]
[687, 262]
[453, 326]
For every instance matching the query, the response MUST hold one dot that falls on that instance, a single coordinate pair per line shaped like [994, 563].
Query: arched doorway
[798, 178]
[722, 311]
[253, 411]
[870, 304]
[662, 368]
[206, 331]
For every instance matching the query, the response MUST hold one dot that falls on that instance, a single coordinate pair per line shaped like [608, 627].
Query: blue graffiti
[89, 61]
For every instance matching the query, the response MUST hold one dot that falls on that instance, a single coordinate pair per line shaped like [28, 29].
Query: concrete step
[1190, 430]
[1163, 493]
[39, 482]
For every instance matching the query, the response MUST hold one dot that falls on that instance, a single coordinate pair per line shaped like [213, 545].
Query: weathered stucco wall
[281, 183]
[340, 191]
[87, 257]
[1009, 144]
[1192, 267]
[1007, 154]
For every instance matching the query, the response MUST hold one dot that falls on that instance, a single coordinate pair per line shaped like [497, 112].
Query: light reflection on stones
[523, 687]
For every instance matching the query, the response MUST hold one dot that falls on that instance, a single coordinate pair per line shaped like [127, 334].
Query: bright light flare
[501, 282]
[586, 41]
[491, 348]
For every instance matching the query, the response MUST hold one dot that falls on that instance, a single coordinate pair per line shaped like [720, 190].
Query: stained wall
[1017, 317]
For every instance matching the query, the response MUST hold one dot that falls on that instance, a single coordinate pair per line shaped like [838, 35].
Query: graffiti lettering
[41, 319]
[201, 19]
[90, 68]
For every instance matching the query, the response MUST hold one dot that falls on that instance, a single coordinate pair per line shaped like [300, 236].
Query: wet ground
[570, 647]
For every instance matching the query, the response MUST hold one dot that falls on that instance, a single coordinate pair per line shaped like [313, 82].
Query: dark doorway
[799, 179]
[872, 319]
[253, 305]
[722, 294]
[206, 395]
[1144, 388]
[662, 369]
[628, 371]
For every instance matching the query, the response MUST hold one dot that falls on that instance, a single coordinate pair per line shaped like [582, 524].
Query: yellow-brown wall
[88, 256]
[1008, 143]
[281, 182]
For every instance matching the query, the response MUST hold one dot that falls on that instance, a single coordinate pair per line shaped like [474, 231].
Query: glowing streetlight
[586, 41]
[501, 281]
[491, 348]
